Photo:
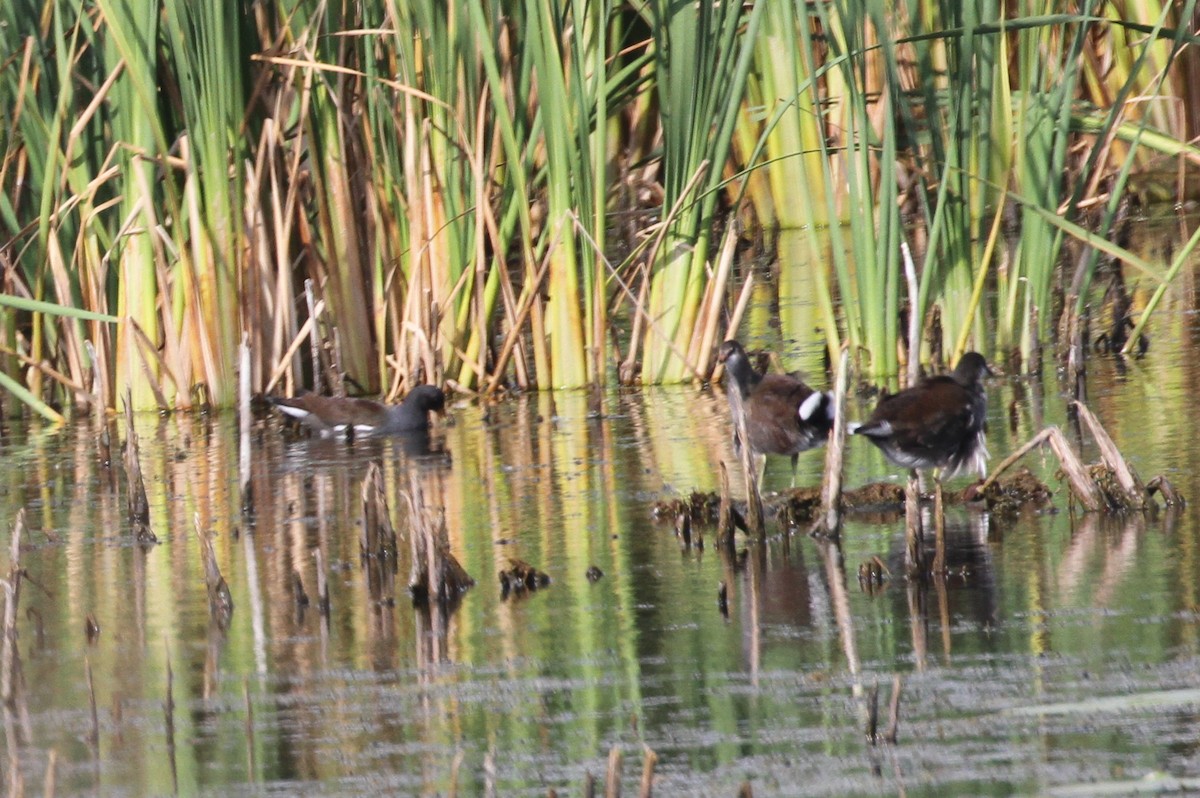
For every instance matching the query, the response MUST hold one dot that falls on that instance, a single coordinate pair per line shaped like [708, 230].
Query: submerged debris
[594, 574]
[377, 538]
[91, 629]
[139, 507]
[436, 572]
[872, 574]
[220, 600]
[521, 577]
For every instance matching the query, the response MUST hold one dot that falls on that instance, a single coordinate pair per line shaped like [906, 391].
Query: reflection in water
[518, 696]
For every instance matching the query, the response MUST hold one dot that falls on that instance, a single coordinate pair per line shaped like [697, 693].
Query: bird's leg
[912, 522]
[939, 527]
[795, 459]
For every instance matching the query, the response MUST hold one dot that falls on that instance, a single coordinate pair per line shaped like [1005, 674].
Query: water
[1059, 657]
[1061, 654]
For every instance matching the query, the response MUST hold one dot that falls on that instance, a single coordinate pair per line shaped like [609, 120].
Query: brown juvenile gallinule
[782, 414]
[328, 415]
[937, 423]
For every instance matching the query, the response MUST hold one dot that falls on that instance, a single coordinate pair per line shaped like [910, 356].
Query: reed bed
[549, 194]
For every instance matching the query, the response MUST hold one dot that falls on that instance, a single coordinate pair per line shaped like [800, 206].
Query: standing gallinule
[329, 415]
[782, 414]
[937, 423]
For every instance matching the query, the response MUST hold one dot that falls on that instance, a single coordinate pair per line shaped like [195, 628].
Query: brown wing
[332, 412]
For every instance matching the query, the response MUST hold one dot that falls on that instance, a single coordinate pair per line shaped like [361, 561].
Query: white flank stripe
[810, 405]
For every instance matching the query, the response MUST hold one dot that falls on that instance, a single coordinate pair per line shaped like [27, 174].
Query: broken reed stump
[893, 712]
[220, 601]
[872, 730]
[754, 507]
[649, 761]
[436, 574]
[912, 524]
[139, 507]
[829, 521]
[612, 778]
[1162, 486]
[377, 538]
[726, 513]
[939, 530]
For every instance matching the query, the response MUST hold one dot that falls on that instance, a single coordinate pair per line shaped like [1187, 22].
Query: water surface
[1061, 655]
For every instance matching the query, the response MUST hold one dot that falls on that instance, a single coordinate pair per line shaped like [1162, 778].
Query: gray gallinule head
[329, 415]
[937, 423]
[782, 414]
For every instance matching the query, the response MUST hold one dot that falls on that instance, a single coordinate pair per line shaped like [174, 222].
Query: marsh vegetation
[549, 194]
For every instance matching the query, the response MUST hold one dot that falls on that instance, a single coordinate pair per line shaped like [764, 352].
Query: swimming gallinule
[937, 423]
[328, 415]
[782, 414]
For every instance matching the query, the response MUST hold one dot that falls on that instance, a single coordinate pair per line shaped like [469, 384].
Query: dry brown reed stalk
[1082, 485]
[1127, 478]
[529, 300]
[220, 601]
[708, 318]
[314, 339]
[244, 419]
[915, 322]
[285, 363]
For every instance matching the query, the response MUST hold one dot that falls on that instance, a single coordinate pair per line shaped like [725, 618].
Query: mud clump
[520, 578]
[1008, 496]
[700, 507]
